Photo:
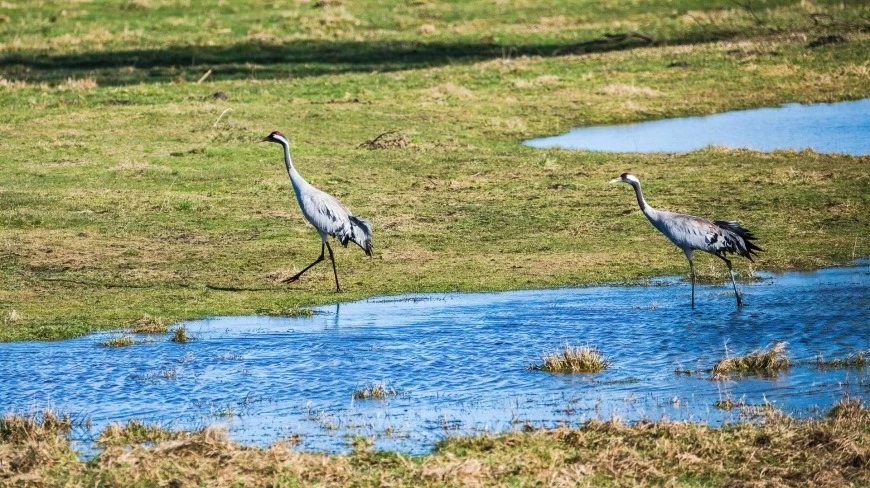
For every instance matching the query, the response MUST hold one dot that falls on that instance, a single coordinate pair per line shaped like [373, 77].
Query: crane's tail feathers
[360, 234]
[739, 239]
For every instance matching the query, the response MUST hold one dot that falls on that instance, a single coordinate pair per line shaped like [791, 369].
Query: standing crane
[691, 233]
[325, 213]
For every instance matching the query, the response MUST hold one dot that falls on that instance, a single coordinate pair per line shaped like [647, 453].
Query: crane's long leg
[731, 273]
[297, 275]
[692, 272]
[334, 271]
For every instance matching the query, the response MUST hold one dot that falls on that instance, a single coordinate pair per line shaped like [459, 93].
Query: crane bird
[691, 233]
[325, 213]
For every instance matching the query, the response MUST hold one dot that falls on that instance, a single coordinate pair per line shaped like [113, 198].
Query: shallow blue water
[842, 127]
[460, 362]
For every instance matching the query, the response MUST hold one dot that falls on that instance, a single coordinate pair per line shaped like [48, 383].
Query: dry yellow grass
[761, 361]
[148, 324]
[628, 90]
[136, 432]
[775, 451]
[573, 359]
[79, 84]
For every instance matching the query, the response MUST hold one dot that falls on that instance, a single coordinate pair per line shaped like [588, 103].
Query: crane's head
[626, 178]
[276, 137]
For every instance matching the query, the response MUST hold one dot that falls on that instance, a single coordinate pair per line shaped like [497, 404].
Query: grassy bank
[129, 188]
[777, 451]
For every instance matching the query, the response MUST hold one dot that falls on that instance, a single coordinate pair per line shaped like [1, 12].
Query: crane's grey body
[691, 233]
[323, 211]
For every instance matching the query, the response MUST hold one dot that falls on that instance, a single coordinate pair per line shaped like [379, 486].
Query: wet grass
[226, 411]
[181, 336]
[122, 341]
[163, 374]
[775, 450]
[759, 362]
[726, 404]
[130, 188]
[291, 312]
[573, 359]
[374, 391]
[853, 360]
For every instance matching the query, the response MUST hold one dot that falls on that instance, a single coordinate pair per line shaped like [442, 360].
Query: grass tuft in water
[726, 404]
[761, 361]
[122, 341]
[291, 312]
[377, 391]
[149, 324]
[225, 412]
[853, 360]
[573, 359]
[181, 336]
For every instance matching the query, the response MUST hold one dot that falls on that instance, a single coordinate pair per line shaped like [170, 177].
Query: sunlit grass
[827, 450]
[136, 432]
[149, 324]
[759, 362]
[20, 428]
[573, 359]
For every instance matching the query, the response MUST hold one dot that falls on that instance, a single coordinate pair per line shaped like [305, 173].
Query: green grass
[573, 359]
[129, 189]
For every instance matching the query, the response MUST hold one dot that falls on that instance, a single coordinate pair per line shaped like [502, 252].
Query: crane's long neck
[295, 178]
[641, 201]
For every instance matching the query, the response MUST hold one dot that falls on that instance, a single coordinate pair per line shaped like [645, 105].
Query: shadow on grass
[301, 58]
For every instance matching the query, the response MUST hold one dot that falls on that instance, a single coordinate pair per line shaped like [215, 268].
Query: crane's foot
[339, 290]
[290, 279]
[739, 301]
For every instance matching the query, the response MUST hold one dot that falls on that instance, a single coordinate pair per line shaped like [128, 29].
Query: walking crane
[691, 233]
[328, 216]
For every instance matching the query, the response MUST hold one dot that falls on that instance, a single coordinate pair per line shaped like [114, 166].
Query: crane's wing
[733, 237]
[324, 212]
[685, 231]
[331, 217]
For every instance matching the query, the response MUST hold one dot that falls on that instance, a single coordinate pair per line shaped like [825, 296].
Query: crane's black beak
[265, 139]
